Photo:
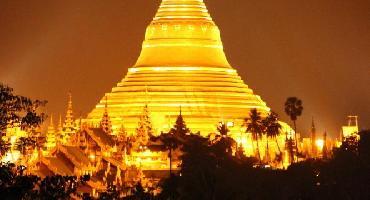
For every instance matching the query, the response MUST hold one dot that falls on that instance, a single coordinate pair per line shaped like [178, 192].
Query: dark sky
[317, 50]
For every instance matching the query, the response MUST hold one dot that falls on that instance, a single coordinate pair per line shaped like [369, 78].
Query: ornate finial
[51, 119]
[60, 126]
[51, 125]
[50, 135]
[69, 126]
[69, 114]
[313, 127]
[105, 123]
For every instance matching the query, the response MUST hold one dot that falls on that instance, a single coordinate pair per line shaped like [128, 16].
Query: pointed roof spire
[69, 114]
[60, 125]
[51, 125]
[51, 119]
[313, 139]
[105, 123]
[69, 126]
[313, 127]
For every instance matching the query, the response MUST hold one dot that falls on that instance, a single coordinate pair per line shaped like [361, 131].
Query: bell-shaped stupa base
[182, 63]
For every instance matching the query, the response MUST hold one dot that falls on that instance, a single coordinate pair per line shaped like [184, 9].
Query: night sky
[317, 50]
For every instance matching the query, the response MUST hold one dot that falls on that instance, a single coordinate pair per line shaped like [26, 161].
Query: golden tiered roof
[182, 63]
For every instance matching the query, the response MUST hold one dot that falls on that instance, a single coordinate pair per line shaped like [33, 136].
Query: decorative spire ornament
[313, 139]
[180, 129]
[50, 135]
[325, 148]
[69, 126]
[145, 129]
[105, 123]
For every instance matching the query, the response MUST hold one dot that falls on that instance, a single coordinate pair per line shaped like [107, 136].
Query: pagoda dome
[181, 64]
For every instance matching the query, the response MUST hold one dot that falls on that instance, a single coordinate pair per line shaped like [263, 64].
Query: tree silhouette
[4, 147]
[223, 143]
[175, 136]
[60, 187]
[254, 125]
[223, 129]
[17, 111]
[272, 129]
[26, 145]
[294, 108]
[180, 129]
[171, 142]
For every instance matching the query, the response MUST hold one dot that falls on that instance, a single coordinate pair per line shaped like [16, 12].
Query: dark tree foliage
[4, 147]
[223, 144]
[171, 142]
[16, 109]
[110, 194]
[272, 130]
[174, 138]
[25, 144]
[364, 146]
[139, 193]
[170, 188]
[210, 174]
[294, 108]
[14, 184]
[254, 125]
[222, 129]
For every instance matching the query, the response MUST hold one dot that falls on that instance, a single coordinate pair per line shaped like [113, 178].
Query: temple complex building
[181, 84]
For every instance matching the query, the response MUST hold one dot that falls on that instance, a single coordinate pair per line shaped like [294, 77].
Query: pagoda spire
[69, 115]
[105, 123]
[51, 125]
[144, 130]
[60, 125]
[69, 126]
[325, 148]
[50, 136]
[313, 139]
[180, 129]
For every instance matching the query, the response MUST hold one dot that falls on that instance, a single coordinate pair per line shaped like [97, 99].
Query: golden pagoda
[182, 63]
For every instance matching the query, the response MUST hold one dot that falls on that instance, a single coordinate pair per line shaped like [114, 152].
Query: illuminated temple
[182, 73]
[182, 64]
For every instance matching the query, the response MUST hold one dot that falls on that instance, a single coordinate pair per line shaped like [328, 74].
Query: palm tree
[294, 108]
[254, 125]
[223, 143]
[272, 129]
[223, 129]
